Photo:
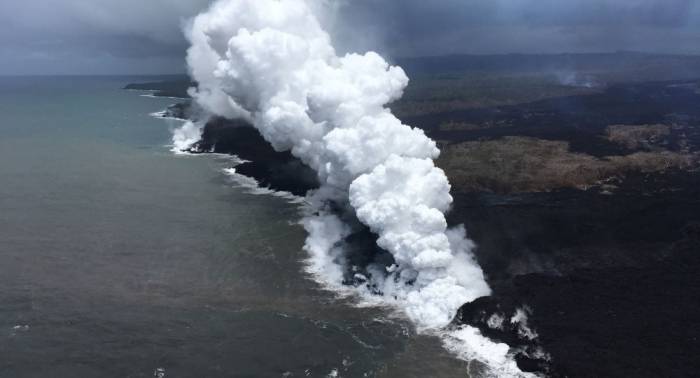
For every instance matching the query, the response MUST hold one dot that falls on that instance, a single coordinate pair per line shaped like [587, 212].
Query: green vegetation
[637, 136]
[522, 164]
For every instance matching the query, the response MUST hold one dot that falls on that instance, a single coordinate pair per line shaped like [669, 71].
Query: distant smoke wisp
[271, 62]
[575, 79]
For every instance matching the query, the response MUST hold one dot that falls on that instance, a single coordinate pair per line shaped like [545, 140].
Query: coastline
[542, 266]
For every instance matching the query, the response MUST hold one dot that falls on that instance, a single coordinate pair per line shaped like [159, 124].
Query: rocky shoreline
[602, 273]
[277, 170]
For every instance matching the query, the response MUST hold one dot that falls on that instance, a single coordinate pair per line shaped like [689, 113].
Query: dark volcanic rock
[180, 110]
[610, 280]
[277, 170]
[560, 231]
[496, 317]
[640, 322]
[613, 322]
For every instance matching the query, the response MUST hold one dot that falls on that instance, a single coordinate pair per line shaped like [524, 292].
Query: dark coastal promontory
[173, 86]
[577, 177]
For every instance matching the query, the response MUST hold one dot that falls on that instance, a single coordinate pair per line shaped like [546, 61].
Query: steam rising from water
[270, 62]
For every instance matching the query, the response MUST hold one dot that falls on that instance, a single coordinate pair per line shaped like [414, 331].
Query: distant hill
[175, 86]
[619, 62]
[455, 82]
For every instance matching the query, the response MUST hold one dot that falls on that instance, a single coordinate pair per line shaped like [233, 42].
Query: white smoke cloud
[186, 135]
[271, 62]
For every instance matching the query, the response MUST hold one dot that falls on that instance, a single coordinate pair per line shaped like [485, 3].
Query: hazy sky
[143, 36]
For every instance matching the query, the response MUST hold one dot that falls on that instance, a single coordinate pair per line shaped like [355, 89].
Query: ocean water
[118, 258]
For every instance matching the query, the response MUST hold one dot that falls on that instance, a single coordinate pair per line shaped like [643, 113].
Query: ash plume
[271, 62]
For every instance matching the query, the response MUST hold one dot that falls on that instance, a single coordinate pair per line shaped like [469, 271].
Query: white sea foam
[495, 321]
[185, 136]
[470, 345]
[520, 318]
[255, 188]
[163, 114]
[152, 95]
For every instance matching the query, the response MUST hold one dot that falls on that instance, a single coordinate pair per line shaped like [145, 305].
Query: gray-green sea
[118, 258]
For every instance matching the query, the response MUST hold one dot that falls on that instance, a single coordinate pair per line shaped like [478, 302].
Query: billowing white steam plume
[270, 62]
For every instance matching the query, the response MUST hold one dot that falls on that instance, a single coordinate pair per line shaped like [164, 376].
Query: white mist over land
[271, 62]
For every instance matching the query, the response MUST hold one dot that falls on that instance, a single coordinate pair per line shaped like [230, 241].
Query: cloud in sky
[96, 36]
[416, 27]
[135, 36]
